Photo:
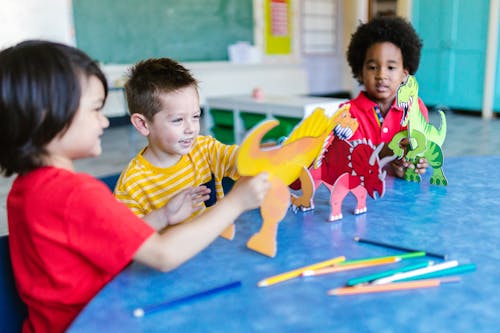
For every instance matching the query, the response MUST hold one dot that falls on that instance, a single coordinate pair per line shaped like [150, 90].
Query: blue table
[461, 220]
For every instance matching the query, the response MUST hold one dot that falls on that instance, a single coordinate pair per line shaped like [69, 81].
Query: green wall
[125, 31]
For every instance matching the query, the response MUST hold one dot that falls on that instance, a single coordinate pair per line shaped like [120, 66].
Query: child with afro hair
[382, 54]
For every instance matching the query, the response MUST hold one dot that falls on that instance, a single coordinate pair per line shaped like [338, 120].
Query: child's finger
[200, 197]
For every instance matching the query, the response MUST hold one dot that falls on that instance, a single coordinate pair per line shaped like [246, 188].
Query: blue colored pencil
[140, 312]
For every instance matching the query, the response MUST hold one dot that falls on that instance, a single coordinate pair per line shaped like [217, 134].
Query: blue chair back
[12, 309]
[110, 180]
[227, 184]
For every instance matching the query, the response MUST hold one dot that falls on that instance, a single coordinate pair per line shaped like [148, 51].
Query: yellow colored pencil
[341, 268]
[296, 272]
[377, 288]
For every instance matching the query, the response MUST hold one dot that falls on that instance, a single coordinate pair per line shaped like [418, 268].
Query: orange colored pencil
[377, 288]
[346, 267]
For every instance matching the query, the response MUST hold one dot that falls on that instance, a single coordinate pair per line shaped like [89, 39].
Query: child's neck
[60, 162]
[384, 107]
[160, 159]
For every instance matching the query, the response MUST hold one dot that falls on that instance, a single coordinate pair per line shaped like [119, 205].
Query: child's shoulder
[206, 141]
[52, 175]
[47, 184]
[360, 103]
[139, 166]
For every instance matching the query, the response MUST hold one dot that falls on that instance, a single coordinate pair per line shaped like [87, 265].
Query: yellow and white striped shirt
[144, 187]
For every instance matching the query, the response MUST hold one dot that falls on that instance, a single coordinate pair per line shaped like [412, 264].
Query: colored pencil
[416, 272]
[342, 268]
[366, 260]
[140, 312]
[377, 288]
[373, 277]
[296, 272]
[445, 272]
[397, 247]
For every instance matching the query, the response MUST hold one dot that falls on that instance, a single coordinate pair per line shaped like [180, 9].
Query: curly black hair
[393, 29]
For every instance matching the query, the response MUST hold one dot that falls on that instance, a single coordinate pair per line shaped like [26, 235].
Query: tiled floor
[468, 134]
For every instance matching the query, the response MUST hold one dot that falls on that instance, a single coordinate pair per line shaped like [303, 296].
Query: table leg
[238, 127]
[207, 121]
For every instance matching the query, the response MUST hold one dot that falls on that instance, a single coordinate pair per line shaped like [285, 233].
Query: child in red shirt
[381, 54]
[68, 235]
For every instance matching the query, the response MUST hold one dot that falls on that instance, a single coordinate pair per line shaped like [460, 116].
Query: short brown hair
[149, 78]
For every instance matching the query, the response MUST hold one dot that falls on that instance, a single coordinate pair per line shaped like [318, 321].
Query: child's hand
[185, 203]
[250, 191]
[399, 166]
[420, 167]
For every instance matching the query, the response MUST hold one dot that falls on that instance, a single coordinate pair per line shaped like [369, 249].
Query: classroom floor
[468, 134]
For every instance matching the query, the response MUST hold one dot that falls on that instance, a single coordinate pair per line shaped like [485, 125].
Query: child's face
[82, 137]
[383, 72]
[174, 129]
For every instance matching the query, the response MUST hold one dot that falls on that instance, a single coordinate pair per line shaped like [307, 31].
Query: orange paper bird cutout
[284, 164]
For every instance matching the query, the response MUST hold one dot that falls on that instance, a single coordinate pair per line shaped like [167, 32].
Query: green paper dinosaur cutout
[424, 138]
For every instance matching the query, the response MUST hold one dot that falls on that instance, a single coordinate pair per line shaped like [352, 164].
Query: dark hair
[395, 30]
[150, 78]
[40, 90]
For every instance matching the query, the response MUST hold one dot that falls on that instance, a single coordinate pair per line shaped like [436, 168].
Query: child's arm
[178, 244]
[179, 208]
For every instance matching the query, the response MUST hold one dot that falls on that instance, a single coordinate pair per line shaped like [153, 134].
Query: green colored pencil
[371, 277]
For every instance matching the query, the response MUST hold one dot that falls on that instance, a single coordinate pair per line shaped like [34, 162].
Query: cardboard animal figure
[284, 164]
[346, 167]
[425, 140]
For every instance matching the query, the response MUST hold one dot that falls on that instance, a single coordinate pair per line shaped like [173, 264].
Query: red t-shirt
[68, 237]
[370, 127]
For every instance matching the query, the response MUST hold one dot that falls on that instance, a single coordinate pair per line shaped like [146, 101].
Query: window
[319, 26]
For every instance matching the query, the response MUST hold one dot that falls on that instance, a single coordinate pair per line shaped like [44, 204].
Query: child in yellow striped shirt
[163, 102]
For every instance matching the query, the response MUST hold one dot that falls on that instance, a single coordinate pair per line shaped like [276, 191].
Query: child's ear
[406, 74]
[140, 123]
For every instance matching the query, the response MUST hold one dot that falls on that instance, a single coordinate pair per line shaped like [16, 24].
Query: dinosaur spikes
[375, 153]
[386, 160]
[354, 143]
[378, 149]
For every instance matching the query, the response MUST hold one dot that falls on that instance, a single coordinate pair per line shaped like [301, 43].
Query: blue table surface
[460, 220]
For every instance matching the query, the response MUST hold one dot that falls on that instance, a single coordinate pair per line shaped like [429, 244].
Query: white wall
[35, 19]
[53, 20]
[218, 78]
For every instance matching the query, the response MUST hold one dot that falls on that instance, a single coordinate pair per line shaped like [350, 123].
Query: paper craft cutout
[346, 167]
[424, 138]
[284, 164]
